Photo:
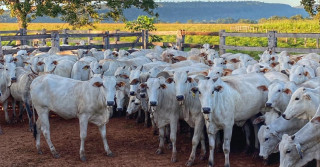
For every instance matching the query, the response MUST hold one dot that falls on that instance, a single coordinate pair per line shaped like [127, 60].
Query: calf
[89, 101]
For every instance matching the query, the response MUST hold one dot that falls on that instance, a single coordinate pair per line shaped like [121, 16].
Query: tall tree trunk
[22, 23]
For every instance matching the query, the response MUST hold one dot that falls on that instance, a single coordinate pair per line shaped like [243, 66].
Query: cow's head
[134, 105]
[135, 80]
[10, 73]
[182, 83]
[120, 95]
[300, 74]
[269, 141]
[290, 152]
[108, 87]
[278, 95]
[301, 104]
[50, 64]
[154, 86]
[96, 68]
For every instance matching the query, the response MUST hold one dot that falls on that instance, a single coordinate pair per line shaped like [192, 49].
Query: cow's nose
[143, 95]
[153, 103]
[206, 110]
[180, 97]
[268, 104]
[136, 104]
[110, 103]
[119, 109]
[132, 93]
[284, 116]
[14, 79]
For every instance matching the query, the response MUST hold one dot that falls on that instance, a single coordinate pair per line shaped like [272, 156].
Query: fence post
[55, 39]
[146, 39]
[1, 51]
[23, 32]
[43, 40]
[117, 39]
[180, 39]
[89, 38]
[106, 40]
[142, 39]
[305, 42]
[222, 42]
[65, 39]
[317, 42]
[272, 41]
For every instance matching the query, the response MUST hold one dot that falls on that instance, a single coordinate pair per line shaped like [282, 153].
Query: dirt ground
[132, 144]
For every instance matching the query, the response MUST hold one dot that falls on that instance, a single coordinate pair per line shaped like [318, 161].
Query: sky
[289, 2]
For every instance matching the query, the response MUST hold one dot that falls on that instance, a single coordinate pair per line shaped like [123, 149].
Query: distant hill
[202, 11]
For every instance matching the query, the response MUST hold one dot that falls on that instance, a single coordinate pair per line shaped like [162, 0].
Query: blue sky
[289, 2]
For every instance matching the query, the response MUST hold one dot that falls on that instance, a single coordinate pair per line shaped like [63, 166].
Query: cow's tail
[34, 123]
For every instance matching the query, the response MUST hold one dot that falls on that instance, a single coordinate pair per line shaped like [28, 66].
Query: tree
[311, 7]
[144, 23]
[76, 12]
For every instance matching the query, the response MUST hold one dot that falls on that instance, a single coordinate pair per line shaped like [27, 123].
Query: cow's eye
[297, 98]
[266, 139]
[279, 90]
[132, 101]
[300, 74]
[288, 151]
[7, 69]
[220, 63]
[218, 72]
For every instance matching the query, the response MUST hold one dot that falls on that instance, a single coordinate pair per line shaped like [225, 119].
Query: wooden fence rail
[63, 36]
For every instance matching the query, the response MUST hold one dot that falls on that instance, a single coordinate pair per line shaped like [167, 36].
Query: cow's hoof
[40, 152]
[83, 158]
[219, 150]
[159, 151]
[202, 157]
[109, 154]
[56, 155]
[30, 129]
[189, 163]
[174, 159]
[8, 122]
[210, 164]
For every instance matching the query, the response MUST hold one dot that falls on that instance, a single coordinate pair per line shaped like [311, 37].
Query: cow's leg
[14, 111]
[318, 163]
[103, 132]
[256, 141]
[247, 132]
[146, 118]
[29, 113]
[161, 142]
[21, 108]
[5, 108]
[173, 138]
[45, 128]
[195, 141]
[218, 141]
[226, 144]
[37, 135]
[203, 146]
[1, 131]
[83, 121]
[139, 116]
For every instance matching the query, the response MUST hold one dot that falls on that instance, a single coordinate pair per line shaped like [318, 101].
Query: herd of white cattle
[198, 86]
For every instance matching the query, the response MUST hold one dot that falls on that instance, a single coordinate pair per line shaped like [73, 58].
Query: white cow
[61, 67]
[86, 100]
[270, 135]
[302, 147]
[81, 71]
[227, 101]
[303, 103]
[300, 74]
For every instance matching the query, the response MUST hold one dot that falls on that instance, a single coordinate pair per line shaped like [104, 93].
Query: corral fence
[62, 38]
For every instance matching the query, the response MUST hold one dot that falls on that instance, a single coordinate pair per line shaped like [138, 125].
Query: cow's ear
[316, 120]
[97, 84]
[291, 62]
[270, 52]
[120, 84]
[86, 67]
[287, 91]
[234, 60]
[204, 73]
[143, 85]
[194, 89]
[163, 86]
[272, 58]
[15, 59]
[169, 80]
[125, 76]
[227, 72]
[218, 88]
[307, 96]
[40, 63]
[258, 120]
[189, 79]
[306, 73]
[55, 62]
[263, 88]
[274, 64]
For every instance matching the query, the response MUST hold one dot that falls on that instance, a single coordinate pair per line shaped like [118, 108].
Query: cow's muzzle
[132, 93]
[14, 79]
[180, 97]
[153, 103]
[268, 104]
[119, 109]
[284, 116]
[110, 103]
[143, 95]
[206, 110]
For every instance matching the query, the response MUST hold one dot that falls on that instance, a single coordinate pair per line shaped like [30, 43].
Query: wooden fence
[63, 37]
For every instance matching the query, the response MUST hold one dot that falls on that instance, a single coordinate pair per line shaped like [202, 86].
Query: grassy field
[283, 26]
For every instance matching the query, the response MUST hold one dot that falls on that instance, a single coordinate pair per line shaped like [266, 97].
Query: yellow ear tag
[193, 94]
[85, 68]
